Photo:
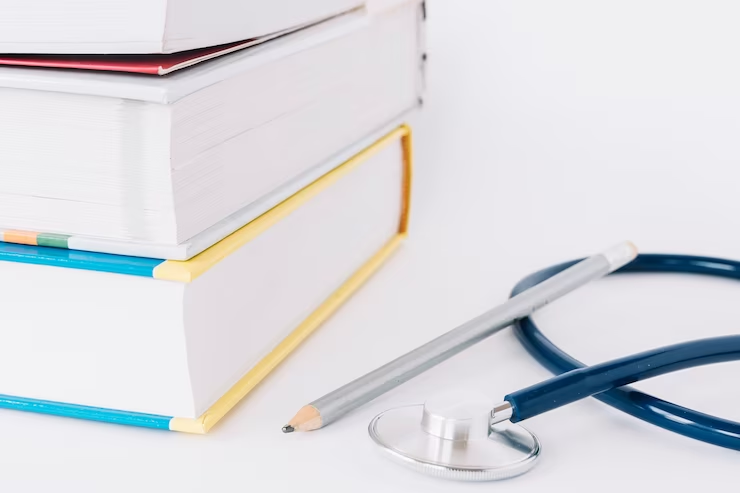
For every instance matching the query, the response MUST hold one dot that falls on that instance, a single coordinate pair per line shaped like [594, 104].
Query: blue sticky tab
[85, 412]
[74, 259]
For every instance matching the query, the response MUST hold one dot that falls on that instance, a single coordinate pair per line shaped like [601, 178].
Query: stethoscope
[470, 438]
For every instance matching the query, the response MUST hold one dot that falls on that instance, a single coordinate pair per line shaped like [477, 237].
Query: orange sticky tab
[22, 237]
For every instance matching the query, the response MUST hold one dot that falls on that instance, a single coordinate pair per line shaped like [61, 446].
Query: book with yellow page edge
[175, 345]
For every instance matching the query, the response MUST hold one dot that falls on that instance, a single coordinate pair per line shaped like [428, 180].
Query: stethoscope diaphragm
[451, 437]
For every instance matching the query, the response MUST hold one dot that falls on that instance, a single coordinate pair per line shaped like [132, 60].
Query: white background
[550, 131]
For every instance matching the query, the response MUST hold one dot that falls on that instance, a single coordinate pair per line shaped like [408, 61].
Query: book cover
[156, 64]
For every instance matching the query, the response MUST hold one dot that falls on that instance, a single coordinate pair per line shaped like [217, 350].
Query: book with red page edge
[155, 64]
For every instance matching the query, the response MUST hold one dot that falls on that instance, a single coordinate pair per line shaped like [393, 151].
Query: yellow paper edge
[189, 270]
[249, 381]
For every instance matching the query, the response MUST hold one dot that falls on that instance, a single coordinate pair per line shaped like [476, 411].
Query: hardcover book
[175, 345]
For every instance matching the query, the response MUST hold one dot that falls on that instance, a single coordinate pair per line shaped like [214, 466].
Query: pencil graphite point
[307, 419]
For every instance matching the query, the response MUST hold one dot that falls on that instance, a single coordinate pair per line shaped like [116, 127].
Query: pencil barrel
[366, 388]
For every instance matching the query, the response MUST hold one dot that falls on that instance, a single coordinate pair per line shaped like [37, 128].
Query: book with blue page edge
[202, 241]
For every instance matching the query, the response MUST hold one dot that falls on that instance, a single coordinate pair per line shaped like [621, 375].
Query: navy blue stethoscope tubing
[608, 381]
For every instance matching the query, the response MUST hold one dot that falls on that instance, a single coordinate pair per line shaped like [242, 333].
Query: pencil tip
[288, 429]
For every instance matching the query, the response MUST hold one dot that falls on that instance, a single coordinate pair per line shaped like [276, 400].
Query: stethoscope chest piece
[451, 437]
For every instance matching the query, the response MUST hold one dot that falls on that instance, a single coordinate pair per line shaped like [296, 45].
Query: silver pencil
[334, 405]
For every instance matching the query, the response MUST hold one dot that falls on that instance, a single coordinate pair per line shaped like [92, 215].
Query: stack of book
[189, 189]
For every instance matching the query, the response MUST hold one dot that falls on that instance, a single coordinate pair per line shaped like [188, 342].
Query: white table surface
[550, 131]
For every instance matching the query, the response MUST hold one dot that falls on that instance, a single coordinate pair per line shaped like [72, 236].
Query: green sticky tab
[52, 240]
